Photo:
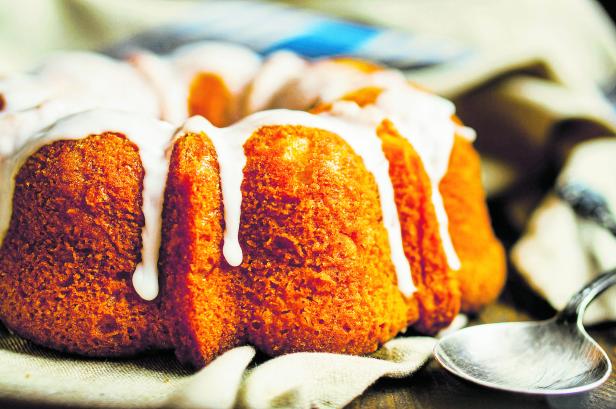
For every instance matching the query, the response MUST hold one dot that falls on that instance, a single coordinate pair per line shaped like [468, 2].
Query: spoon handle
[575, 308]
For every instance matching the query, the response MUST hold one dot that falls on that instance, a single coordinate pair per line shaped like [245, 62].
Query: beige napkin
[302, 380]
[561, 252]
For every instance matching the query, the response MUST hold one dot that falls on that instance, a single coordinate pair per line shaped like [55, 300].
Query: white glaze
[112, 84]
[280, 69]
[320, 81]
[17, 128]
[425, 120]
[71, 83]
[23, 91]
[466, 132]
[171, 92]
[363, 139]
[329, 80]
[151, 136]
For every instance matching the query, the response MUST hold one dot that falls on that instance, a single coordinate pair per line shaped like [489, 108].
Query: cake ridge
[364, 141]
[153, 143]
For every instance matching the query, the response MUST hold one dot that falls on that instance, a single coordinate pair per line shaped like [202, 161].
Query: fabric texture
[302, 380]
[555, 230]
[536, 82]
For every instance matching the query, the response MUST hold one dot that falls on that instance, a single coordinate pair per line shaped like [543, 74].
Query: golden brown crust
[366, 67]
[437, 296]
[66, 264]
[317, 270]
[362, 97]
[200, 291]
[209, 97]
[483, 271]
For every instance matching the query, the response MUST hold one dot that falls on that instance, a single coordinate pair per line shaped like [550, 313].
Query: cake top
[424, 119]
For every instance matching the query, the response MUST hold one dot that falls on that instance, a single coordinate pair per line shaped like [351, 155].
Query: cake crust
[73, 243]
[200, 291]
[317, 272]
[483, 271]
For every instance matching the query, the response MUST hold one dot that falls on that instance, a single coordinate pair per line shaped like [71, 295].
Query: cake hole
[108, 324]
[70, 280]
[124, 276]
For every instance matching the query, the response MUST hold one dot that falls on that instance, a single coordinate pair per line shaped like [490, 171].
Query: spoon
[550, 357]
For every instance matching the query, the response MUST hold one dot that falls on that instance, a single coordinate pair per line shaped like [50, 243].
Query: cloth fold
[560, 252]
[301, 380]
[216, 385]
[320, 380]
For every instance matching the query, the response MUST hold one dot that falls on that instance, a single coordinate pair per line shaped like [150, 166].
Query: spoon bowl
[552, 357]
[535, 357]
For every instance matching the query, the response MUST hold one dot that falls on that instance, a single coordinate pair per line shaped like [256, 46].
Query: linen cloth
[555, 230]
[303, 380]
[536, 82]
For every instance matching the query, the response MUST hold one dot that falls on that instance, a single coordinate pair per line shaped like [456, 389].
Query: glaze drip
[363, 139]
[425, 121]
[152, 137]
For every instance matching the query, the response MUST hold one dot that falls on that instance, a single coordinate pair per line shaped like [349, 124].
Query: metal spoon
[550, 357]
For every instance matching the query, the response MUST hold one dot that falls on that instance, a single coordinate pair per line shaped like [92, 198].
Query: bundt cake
[331, 226]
